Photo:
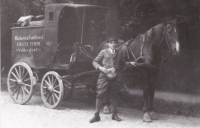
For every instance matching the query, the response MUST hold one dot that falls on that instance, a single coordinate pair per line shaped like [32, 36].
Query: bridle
[168, 44]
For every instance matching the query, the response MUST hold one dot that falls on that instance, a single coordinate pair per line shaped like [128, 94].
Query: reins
[82, 50]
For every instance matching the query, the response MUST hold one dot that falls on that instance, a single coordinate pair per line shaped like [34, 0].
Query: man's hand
[104, 70]
[133, 63]
[112, 69]
[101, 68]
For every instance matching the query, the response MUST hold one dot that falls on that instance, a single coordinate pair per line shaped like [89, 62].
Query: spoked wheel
[52, 89]
[20, 82]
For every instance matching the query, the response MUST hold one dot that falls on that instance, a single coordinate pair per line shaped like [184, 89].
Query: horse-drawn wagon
[56, 52]
[61, 49]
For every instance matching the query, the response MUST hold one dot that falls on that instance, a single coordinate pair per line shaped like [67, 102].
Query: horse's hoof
[146, 117]
[106, 110]
[153, 116]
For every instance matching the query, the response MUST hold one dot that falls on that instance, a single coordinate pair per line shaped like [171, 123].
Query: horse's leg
[151, 97]
[146, 95]
[152, 81]
[151, 90]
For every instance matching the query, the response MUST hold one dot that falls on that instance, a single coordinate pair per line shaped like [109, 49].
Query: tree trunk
[112, 18]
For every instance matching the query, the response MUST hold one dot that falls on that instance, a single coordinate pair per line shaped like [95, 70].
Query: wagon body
[59, 49]
[52, 44]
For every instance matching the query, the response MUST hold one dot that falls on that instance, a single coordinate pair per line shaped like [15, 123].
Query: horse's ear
[174, 21]
[166, 22]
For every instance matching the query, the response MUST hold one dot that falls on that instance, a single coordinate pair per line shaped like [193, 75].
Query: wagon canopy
[83, 24]
[67, 24]
[84, 19]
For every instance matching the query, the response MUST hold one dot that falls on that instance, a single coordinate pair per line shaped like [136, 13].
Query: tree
[11, 11]
[112, 18]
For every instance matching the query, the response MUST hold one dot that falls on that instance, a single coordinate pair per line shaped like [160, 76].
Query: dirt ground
[76, 113]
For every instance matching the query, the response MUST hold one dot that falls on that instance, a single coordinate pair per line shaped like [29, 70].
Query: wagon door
[68, 35]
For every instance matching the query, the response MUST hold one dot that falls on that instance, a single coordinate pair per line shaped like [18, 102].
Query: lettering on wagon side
[27, 43]
[29, 37]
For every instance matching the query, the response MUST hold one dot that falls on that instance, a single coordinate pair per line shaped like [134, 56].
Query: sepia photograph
[100, 64]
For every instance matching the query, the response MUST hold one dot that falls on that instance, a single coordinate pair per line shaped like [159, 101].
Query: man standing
[105, 86]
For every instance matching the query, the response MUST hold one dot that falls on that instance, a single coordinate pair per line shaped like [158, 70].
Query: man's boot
[115, 117]
[95, 118]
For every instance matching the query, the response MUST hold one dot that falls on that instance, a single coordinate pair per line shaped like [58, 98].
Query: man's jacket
[105, 59]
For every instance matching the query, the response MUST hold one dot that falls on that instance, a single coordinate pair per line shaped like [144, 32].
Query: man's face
[112, 44]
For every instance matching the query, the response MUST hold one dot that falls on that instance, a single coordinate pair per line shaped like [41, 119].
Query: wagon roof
[75, 5]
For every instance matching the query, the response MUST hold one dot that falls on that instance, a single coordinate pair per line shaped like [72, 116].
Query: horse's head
[172, 38]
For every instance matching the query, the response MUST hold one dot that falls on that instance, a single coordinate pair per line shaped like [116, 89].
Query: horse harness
[128, 49]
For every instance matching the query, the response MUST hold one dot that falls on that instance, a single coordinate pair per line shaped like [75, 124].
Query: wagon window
[50, 16]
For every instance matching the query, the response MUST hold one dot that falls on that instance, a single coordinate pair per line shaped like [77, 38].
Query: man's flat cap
[112, 38]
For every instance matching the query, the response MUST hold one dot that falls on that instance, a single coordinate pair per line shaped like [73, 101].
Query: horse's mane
[143, 37]
[149, 33]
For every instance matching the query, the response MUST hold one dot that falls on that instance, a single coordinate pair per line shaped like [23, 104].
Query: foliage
[11, 10]
[137, 16]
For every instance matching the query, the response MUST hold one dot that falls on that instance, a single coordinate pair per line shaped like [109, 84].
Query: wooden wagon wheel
[52, 89]
[20, 82]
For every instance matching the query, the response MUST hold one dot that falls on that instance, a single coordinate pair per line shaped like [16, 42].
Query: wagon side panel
[28, 46]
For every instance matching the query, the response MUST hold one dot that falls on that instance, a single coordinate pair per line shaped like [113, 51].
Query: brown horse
[146, 51]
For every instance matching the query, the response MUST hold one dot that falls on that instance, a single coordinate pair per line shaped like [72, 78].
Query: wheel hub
[19, 81]
[50, 88]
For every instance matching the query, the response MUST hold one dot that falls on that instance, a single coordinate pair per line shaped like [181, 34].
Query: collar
[111, 50]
